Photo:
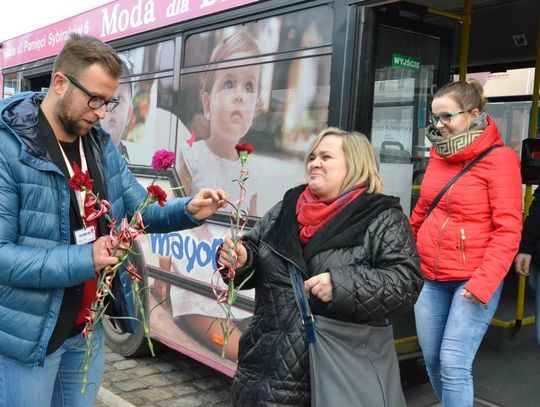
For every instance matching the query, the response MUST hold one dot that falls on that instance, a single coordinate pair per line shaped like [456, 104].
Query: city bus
[370, 66]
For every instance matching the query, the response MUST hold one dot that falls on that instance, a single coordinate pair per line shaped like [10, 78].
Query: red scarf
[313, 213]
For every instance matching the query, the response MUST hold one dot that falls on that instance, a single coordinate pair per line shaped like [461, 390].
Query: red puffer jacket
[474, 231]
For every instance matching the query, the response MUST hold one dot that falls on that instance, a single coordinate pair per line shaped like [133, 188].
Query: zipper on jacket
[439, 241]
[462, 244]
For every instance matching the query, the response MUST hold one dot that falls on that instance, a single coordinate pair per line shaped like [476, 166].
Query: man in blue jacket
[45, 262]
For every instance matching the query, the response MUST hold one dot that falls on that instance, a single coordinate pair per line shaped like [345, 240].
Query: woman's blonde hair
[359, 157]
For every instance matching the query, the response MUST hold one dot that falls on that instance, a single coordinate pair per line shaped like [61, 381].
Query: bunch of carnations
[226, 297]
[123, 236]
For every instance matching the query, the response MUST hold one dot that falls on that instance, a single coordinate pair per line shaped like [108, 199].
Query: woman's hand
[231, 257]
[320, 286]
[468, 295]
[522, 262]
[206, 202]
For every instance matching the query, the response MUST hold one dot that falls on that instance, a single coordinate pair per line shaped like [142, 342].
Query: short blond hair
[359, 157]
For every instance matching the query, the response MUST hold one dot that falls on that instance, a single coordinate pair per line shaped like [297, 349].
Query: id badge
[85, 235]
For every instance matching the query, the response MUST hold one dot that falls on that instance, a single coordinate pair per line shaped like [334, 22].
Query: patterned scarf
[313, 213]
[449, 146]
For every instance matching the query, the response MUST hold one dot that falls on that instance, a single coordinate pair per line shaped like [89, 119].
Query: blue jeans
[59, 381]
[450, 330]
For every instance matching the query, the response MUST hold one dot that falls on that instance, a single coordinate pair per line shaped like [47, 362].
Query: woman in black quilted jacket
[359, 264]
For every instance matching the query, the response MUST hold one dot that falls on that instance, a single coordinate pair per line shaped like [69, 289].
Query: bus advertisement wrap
[109, 22]
[265, 82]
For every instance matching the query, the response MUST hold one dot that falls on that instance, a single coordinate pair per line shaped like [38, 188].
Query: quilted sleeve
[251, 242]
[28, 266]
[387, 282]
[505, 195]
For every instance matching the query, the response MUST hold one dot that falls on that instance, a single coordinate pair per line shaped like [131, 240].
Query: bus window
[151, 119]
[12, 84]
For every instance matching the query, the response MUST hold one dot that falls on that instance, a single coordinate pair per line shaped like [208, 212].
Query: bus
[365, 65]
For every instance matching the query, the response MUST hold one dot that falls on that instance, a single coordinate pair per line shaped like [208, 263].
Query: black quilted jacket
[369, 251]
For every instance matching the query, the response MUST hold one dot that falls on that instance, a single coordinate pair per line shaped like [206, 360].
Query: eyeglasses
[94, 102]
[444, 118]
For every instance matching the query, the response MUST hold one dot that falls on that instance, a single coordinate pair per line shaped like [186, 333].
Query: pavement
[168, 380]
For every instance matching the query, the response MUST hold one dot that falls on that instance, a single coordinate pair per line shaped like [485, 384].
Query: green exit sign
[407, 62]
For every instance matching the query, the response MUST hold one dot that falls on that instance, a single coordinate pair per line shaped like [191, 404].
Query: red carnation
[158, 194]
[247, 147]
[81, 180]
[243, 151]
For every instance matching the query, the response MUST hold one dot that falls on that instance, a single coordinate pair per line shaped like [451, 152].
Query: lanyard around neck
[84, 168]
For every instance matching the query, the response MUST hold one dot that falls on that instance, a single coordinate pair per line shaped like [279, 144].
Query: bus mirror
[530, 161]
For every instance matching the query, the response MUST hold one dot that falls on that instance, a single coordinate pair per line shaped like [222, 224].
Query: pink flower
[163, 159]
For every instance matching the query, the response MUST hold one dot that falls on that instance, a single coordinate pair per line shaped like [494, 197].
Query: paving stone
[168, 380]
[125, 364]
[188, 401]
[129, 385]
[142, 371]
[113, 357]
[218, 396]
[209, 383]
[178, 376]
[183, 390]
[154, 395]
[165, 367]
[136, 401]
[157, 380]
[118, 376]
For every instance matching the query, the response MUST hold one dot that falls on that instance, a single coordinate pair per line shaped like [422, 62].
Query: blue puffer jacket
[36, 258]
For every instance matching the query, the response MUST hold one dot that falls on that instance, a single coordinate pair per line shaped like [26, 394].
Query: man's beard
[71, 127]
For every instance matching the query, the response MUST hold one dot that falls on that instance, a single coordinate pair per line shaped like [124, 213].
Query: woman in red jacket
[467, 240]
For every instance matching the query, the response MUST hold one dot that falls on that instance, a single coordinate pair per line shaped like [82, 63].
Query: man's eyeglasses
[94, 102]
[444, 118]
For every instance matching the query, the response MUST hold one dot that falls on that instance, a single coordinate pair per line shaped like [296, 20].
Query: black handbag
[350, 364]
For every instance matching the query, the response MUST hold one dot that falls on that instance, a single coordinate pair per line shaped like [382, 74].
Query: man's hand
[320, 286]
[206, 202]
[101, 254]
[522, 262]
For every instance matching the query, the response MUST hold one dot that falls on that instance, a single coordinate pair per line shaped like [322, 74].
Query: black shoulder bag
[457, 176]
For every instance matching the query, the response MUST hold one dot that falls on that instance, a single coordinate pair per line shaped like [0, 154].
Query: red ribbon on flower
[132, 271]
[120, 243]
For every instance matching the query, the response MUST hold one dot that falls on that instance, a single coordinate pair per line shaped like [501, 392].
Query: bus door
[410, 60]
[39, 83]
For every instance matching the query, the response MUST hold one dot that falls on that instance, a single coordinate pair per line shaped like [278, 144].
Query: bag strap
[457, 176]
[302, 302]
